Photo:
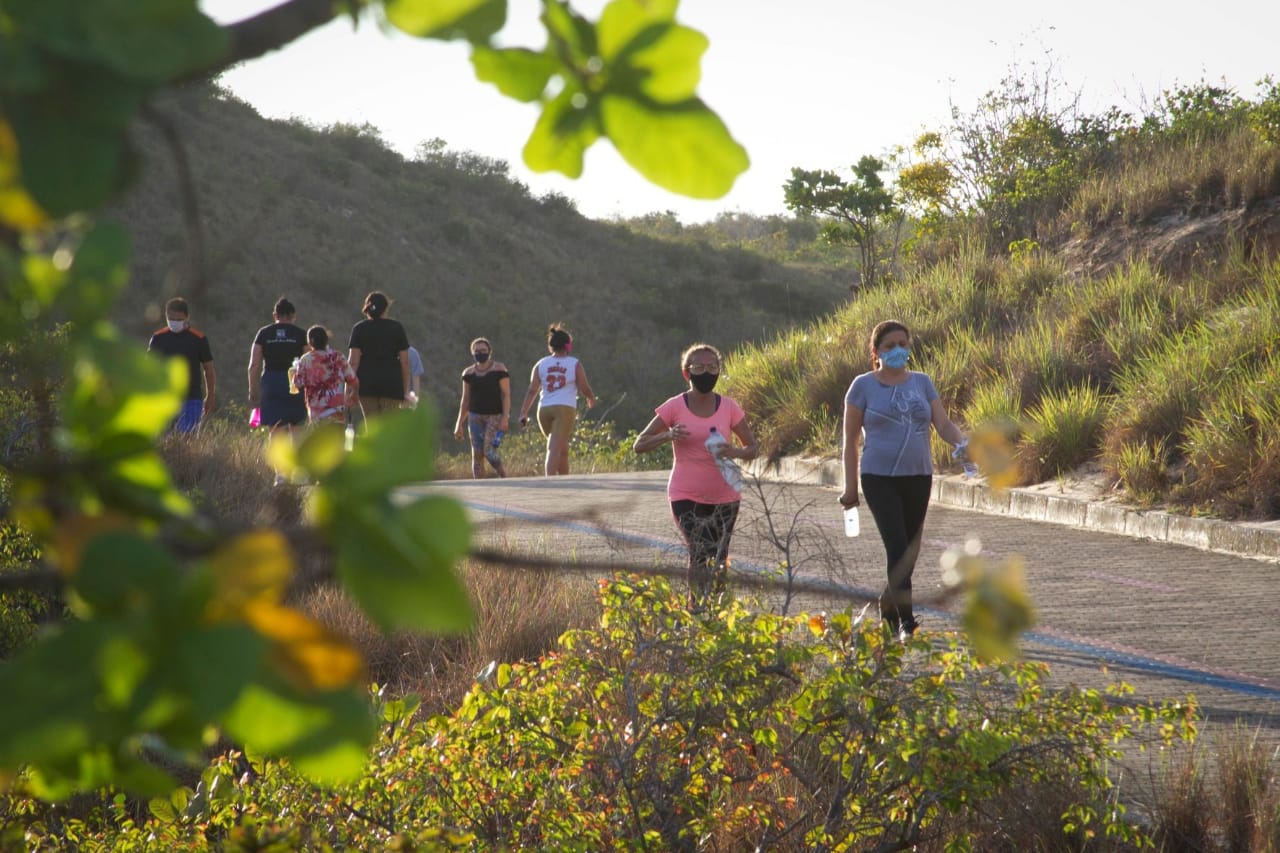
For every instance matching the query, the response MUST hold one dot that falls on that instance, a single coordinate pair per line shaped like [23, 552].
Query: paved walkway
[1126, 599]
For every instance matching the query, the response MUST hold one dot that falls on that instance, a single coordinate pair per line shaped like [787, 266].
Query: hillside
[323, 216]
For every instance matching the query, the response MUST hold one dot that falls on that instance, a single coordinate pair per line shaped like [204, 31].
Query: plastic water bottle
[497, 437]
[728, 468]
[851, 525]
[962, 453]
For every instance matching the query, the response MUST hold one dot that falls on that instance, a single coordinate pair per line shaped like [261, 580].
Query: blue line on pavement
[1112, 656]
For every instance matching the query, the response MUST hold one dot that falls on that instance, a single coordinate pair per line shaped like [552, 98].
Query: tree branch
[271, 30]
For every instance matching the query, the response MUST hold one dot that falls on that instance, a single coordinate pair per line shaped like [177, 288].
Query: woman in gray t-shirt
[891, 410]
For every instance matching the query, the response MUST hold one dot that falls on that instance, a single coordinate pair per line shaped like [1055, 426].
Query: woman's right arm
[255, 373]
[849, 454]
[464, 406]
[657, 434]
[535, 385]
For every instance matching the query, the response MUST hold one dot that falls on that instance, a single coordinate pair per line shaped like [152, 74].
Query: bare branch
[270, 30]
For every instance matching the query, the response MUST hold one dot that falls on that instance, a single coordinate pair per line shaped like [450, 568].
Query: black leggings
[706, 529]
[898, 504]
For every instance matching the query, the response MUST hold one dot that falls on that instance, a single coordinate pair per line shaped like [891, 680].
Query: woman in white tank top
[557, 378]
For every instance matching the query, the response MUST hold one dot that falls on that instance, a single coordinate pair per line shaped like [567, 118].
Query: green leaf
[153, 40]
[326, 736]
[573, 36]
[623, 20]
[399, 563]
[72, 144]
[664, 63]
[214, 664]
[397, 450]
[565, 130]
[57, 715]
[474, 20]
[684, 148]
[517, 72]
[122, 572]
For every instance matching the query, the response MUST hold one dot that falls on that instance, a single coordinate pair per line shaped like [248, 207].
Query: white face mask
[177, 325]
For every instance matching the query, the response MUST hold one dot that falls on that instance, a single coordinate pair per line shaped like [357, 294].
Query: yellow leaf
[307, 654]
[17, 207]
[255, 566]
[992, 447]
[817, 624]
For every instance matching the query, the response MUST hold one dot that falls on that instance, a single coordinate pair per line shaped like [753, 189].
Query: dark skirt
[278, 405]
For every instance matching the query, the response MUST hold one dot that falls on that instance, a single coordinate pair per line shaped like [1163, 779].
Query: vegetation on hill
[324, 215]
[1103, 290]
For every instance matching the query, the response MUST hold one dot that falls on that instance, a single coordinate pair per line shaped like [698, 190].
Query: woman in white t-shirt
[558, 378]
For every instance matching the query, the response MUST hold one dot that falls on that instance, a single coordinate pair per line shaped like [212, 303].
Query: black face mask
[481, 357]
[704, 382]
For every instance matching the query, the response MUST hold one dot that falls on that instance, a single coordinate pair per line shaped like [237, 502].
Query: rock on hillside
[1179, 242]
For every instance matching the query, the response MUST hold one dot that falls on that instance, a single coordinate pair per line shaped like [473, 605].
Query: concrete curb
[1257, 540]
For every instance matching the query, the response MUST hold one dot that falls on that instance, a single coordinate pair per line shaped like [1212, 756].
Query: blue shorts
[188, 419]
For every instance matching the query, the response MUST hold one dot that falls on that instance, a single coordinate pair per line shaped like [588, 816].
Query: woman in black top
[274, 349]
[485, 408]
[380, 357]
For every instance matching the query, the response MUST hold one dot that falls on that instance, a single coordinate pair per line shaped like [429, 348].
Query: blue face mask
[896, 357]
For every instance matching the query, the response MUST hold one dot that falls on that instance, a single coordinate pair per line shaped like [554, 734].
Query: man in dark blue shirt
[177, 338]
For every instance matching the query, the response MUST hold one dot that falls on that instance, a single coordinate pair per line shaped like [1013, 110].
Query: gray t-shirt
[895, 424]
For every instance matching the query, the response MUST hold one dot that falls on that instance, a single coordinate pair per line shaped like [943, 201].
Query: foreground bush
[664, 730]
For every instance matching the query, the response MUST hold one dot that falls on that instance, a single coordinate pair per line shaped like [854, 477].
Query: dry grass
[222, 469]
[519, 616]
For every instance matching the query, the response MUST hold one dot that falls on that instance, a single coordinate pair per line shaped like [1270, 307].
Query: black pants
[706, 529]
[898, 504]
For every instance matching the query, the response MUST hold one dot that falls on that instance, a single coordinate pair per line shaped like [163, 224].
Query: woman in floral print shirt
[321, 375]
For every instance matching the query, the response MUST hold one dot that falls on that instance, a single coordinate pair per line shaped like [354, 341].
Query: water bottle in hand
[497, 437]
[728, 468]
[961, 454]
[852, 527]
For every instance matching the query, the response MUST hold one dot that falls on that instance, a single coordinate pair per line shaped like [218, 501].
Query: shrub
[1142, 469]
[1062, 431]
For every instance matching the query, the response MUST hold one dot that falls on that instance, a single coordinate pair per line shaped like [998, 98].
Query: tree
[180, 631]
[859, 210]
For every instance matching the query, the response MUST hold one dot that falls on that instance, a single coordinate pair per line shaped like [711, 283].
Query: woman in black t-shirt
[275, 347]
[380, 357]
[485, 408]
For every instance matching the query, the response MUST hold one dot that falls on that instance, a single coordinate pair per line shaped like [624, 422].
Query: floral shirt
[320, 375]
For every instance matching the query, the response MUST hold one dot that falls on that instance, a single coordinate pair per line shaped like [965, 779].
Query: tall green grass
[1159, 377]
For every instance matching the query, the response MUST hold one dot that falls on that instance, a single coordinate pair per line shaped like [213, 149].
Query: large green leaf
[398, 563]
[72, 138]
[663, 63]
[326, 736]
[517, 72]
[623, 20]
[215, 663]
[153, 40]
[398, 449]
[49, 716]
[684, 148]
[121, 573]
[473, 20]
[565, 130]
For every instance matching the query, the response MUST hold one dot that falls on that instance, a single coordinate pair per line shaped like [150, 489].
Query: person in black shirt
[275, 348]
[380, 357]
[485, 408]
[178, 339]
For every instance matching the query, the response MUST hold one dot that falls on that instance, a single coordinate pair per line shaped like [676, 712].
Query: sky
[800, 83]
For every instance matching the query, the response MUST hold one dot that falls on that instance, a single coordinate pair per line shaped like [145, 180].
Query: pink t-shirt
[695, 475]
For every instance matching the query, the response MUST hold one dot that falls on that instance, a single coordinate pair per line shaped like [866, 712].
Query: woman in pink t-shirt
[704, 504]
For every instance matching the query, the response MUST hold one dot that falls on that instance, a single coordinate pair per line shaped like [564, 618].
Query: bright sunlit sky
[809, 83]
